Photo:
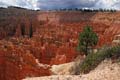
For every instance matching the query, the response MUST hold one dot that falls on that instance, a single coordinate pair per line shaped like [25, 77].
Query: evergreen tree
[87, 39]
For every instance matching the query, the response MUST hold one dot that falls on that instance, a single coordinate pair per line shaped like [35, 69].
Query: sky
[57, 4]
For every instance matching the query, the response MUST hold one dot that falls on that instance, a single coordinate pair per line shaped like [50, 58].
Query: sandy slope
[105, 71]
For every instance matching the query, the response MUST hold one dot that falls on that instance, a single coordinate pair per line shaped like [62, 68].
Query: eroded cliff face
[13, 19]
[105, 24]
[54, 39]
[107, 18]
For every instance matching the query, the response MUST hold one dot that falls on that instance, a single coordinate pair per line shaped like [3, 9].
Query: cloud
[3, 4]
[53, 4]
[56, 4]
[115, 4]
[30, 4]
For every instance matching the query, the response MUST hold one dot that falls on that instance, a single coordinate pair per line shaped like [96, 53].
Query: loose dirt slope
[105, 71]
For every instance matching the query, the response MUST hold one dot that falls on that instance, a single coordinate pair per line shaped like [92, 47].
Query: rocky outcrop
[16, 62]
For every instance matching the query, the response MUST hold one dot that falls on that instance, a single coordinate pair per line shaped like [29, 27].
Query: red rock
[54, 41]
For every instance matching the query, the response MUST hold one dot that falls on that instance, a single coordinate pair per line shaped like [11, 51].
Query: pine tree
[87, 39]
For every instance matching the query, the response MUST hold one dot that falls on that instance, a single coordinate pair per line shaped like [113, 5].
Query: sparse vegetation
[92, 60]
[86, 10]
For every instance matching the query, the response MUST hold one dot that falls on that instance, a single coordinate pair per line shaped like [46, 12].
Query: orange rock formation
[54, 40]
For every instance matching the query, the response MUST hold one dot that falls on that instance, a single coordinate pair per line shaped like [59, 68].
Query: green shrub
[92, 60]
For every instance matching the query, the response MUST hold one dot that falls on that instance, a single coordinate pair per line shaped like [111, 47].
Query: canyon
[54, 40]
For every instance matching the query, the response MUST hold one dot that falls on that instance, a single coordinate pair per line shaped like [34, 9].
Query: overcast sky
[56, 4]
